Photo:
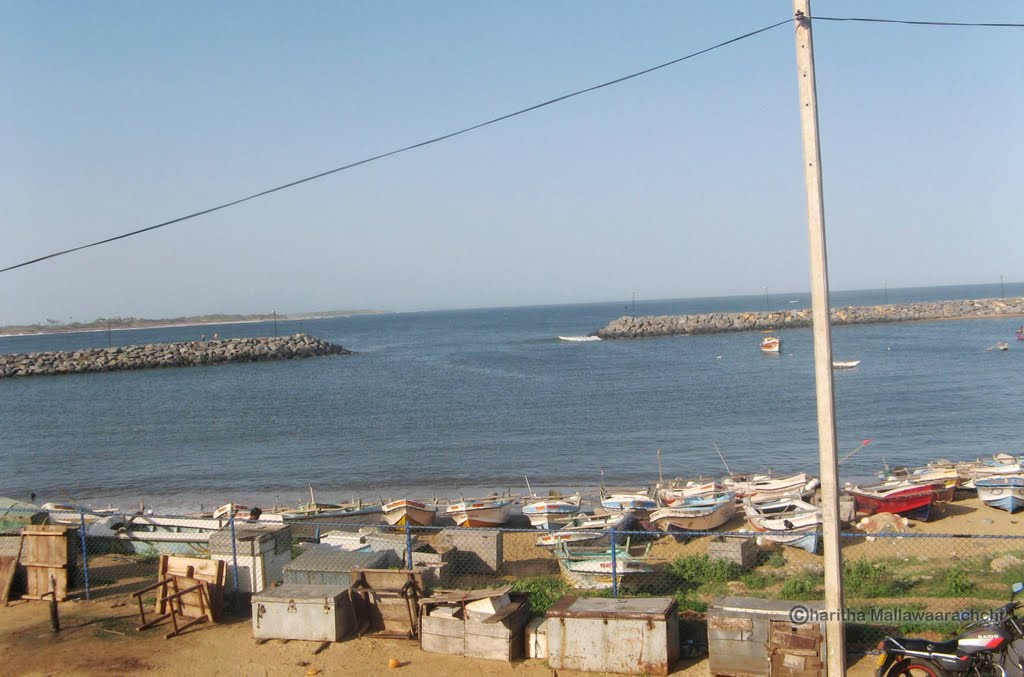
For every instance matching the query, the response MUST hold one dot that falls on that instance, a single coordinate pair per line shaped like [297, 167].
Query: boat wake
[579, 338]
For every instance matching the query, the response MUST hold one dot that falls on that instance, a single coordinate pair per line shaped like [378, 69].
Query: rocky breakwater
[156, 355]
[717, 323]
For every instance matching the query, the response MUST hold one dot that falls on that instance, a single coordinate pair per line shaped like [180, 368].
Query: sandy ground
[99, 636]
[96, 639]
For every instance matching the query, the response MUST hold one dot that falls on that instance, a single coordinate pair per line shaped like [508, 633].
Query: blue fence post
[85, 552]
[408, 546]
[615, 565]
[234, 554]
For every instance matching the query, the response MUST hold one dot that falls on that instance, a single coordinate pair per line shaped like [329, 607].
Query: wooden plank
[8, 567]
[495, 648]
[442, 625]
[388, 579]
[505, 612]
[724, 623]
[443, 644]
[468, 596]
[503, 630]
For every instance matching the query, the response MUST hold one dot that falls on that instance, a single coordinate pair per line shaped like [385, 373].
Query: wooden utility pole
[822, 342]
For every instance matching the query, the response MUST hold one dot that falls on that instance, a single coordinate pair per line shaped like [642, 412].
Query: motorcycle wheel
[915, 667]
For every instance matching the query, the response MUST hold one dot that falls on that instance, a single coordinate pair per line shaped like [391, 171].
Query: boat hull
[1003, 493]
[913, 502]
[551, 514]
[411, 513]
[693, 519]
[480, 514]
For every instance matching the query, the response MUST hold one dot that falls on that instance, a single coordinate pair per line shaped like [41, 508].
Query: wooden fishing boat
[680, 490]
[492, 511]
[913, 501]
[593, 530]
[63, 513]
[599, 568]
[761, 487]
[771, 344]
[244, 512]
[796, 524]
[315, 510]
[149, 534]
[640, 505]
[1005, 492]
[697, 515]
[999, 464]
[947, 477]
[552, 512]
[407, 511]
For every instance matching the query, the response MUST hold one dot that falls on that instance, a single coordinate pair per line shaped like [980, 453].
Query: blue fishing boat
[1005, 493]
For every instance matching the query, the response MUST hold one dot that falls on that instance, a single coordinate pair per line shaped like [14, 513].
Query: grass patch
[862, 578]
[756, 580]
[692, 571]
[543, 591]
[802, 587]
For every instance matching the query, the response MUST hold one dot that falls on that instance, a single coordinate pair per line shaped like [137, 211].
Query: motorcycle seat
[923, 645]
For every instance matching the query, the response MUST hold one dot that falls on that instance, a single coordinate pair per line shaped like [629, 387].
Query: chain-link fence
[924, 584]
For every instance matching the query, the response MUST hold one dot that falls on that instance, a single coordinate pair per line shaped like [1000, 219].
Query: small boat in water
[791, 522]
[1005, 493]
[911, 500]
[771, 344]
[848, 364]
[1020, 334]
[704, 514]
[406, 511]
[579, 339]
[593, 530]
[492, 511]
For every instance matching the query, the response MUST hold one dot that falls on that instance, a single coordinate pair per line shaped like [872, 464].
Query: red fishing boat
[902, 498]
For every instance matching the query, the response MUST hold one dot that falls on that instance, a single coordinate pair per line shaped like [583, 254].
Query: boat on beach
[760, 488]
[552, 512]
[639, 505]
[913, 501]
[64, 513]
[406, 511]
[492, 511]
[791, 522]
[1005, 493]
[316, 510]
[697, 515]
[680, 490]
[148, 534]
[593, 530]
[600, 568]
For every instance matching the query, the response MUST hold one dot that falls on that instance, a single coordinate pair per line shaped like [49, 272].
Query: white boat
[680, 490]
[552, 512]
[243, 512]
[315, 510]
[771, 344]
[796, 524]
[1004, 492]
[590, 529]
[63, 513]
[579, 339]
[999, 464]
[761, 488]
[848, 364]
[145, 534]
[407, 511]
[600, 569]
[481, 512]
[699, 515]
[640, 505]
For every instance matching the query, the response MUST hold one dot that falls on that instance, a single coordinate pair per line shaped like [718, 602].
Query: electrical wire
[919, 23]
[381, 156]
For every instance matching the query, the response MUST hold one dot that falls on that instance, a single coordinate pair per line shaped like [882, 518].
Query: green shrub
[957, 582]
[755, 580]
[801, 588]
[689, 602]
[862, 578]
[691, 571]
[543, 591]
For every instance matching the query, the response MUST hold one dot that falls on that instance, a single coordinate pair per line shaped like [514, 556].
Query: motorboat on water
[771, 344]
[845, 364]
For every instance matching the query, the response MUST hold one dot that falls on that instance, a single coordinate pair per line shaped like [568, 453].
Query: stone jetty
[156, 355]
[717, 323]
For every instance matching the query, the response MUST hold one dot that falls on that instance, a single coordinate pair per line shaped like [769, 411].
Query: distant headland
[116, 323]
[717, 323]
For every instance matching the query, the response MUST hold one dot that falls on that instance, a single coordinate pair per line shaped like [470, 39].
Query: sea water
[449, 402]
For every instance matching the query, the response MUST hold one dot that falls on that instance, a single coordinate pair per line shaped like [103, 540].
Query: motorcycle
[991, 647]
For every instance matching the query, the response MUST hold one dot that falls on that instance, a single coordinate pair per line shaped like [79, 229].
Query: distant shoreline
[5, 332]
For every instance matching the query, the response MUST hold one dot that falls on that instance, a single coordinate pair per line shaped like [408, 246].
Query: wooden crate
[752, 636]
[499, 637]
[47, 554]
[742, 551]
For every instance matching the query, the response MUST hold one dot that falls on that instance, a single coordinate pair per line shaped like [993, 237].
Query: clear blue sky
[687, 182]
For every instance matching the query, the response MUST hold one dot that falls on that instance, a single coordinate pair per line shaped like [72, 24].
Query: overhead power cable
[919, 23]
[381, 156]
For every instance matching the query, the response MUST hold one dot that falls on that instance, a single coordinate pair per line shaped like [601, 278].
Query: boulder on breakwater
[717, 323]
[156, 355]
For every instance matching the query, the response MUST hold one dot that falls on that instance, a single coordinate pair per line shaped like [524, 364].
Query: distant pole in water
[1002, 289]
[885, 293]
[275, 322]
[634, 303]
[108, 332]
[660, 478]
[766, 298]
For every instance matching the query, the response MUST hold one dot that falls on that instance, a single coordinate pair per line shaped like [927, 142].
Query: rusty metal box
[624, 635]
[321, 613]
[750, 636]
